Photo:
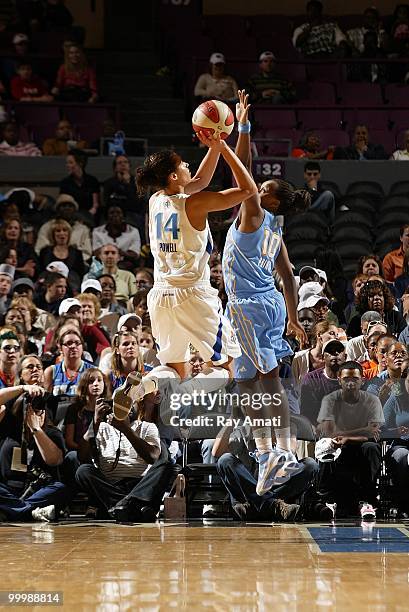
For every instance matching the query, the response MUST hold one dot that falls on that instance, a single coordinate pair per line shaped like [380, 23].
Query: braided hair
[156, 170]
[291, 200]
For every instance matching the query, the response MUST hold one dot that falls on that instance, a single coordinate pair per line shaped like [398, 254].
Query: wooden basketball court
[218, 566]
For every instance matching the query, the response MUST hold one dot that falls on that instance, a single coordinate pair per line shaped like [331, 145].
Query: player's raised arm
[200, 204]
[251, 213]
[205, 172]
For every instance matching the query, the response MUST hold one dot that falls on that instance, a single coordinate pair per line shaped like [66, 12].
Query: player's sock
[262, 439]
[283, 437]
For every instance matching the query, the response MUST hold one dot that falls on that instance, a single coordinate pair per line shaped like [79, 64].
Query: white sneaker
[367, 511]
[209, 510]
[46, 514]
[268, 465]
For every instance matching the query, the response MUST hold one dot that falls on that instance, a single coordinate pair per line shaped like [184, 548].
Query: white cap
[67, 304]
[308, 289]
[322, 274]
[7, 270]
[266, 55]
[312, 301]
[58, 266]
[305, 268]
[19, 38]
[217, 58]
[123, 320]
[91, 283]
[325, 451]
[30, 192]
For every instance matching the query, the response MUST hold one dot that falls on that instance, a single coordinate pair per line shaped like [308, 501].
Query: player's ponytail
[301, 200]
[154, 174]
[291, 200]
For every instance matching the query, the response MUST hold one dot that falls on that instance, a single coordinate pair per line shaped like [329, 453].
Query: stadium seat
[398, 119]
[399, 188]
[317, 94]
[344, 233]
[330, 185]
[384, 137]
[389, 234]
[324, 71]
[302, 250]
[360, 203]
[351, 218]
[365, 187]
[393, 219]
[398, 203]
[352, 250]
[37, 114]
[361, 94]
[305, 232]
[375, 119]
[320, 117]
[333, 137]
[396, 94]
[310, 218]
[271, 116]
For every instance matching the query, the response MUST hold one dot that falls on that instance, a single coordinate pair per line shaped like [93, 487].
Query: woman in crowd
[126, 357]
[139, 305]
[311, 359]
[370, 264]
[63, 378]
[11, 235]
[376, 296]
[146, 340]
[76, 80]
[60, 250]
[358, 282]
[107, 300]
[96, 339]
[8, 255]
[389, 382]
[144, 278]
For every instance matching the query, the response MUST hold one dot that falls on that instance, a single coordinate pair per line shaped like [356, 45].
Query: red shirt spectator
[76, 81]
[27, 86]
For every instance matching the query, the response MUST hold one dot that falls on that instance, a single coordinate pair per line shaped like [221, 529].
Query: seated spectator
[376, 296]
[144, 278]
[311, 296]
[215, 84]
[370, 265]
[35, 321]
[18, 501]
[117, 232]
[402, 281]
[61, 250]
[80, 413]
[352, 418]
[124, 280]
[312, 358]
[357, 283]
[11, 234]
[120, 190]
[238, 473]
[146, 340]
[92, 285]
[8, 255]
[6, 280]
[96, 339]
[132, 485]
[322, 200]
[402, 154]
[12, 146]
[321, 381]
[268, 85]
[66, 208]
[404, 335]
[370, 72]
[361, 148]
[126, 357]
[356, 346]
[307, 319]
[139, 305]
[310, 146]
[389, 380]
[55, 285]
[76, 80]
[317, 37]
[69, 318]
[28, 87]
[63, 378]
[369, 361]
[399, 28]
[64, 140]
[371, 22]
[10, 353]
[107, 299]
[393, 261]
[83, 187]
[21, 49]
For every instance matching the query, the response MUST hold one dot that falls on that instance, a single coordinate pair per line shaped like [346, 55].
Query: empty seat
[324, 71]
[320, 117]
[330, 186]
[293, 71]
[277, 142]
[272, 116]
[365, 187]
[387, 235]
[351, 218]
[373, 118]
[331, 137]
[384, 137]
[352, 250]
[399, 188]
[395, 203]
[302, 249]
[361, 94]
[396, 94]
[399, 119]
[393, 219]
[360, 203]
[318, 94]
[351, 232]
[310, 218]
[305, 232]
[36, 114]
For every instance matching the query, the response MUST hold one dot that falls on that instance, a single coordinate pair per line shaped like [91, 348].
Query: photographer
[31, 449]
[131, 470]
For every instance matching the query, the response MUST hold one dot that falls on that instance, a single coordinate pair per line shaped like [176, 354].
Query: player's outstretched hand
[294, 328]
[242, 107]
[213, 142]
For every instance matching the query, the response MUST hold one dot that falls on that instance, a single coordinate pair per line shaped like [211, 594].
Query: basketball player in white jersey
[183, 307]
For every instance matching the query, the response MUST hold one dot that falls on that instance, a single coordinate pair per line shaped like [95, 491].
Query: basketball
[213, 117]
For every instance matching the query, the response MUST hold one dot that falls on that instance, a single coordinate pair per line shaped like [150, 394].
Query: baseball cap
[266, 55]
[325, 450]
[19, 38]
[7, 270]
[312, 301]
[217, 58]
[322, 274]
[91, 283]
[22, 282]
[20, 195]
[332, 345]
[307, 268]
[67, 304]
[308, 289]
[66, 198]
[123, 321]
[58, 266]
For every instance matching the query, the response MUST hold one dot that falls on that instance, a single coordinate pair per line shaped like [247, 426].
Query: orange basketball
[213, 117]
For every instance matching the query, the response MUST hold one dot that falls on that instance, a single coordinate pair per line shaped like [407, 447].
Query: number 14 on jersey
[170, 225]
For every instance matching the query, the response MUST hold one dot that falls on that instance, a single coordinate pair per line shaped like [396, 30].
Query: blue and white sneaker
[269, 464]
[290, 468]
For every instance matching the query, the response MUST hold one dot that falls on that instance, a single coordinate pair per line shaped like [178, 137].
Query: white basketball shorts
[192, 315]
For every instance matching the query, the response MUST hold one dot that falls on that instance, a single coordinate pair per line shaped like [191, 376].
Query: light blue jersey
[255, 308]
[249, 258]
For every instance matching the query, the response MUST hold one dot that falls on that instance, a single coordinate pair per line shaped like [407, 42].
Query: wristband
[244, 128]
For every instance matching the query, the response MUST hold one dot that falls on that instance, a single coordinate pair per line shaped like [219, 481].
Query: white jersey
[181, 252]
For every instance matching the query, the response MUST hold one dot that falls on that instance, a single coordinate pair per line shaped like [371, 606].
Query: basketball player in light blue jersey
[257, 310]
